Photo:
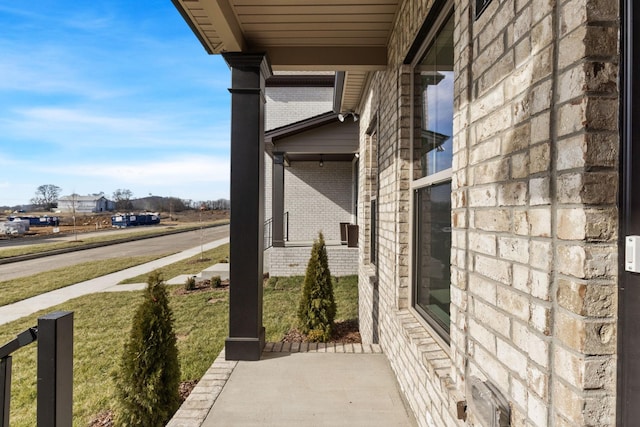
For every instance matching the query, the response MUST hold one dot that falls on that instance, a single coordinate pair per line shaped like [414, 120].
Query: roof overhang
[306, 140]
[349, 36]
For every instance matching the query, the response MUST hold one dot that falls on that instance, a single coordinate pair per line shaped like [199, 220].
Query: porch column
[277, 198]
[246, 333]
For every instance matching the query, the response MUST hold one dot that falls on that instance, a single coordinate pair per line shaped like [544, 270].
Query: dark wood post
[246, 332]
[277, 198]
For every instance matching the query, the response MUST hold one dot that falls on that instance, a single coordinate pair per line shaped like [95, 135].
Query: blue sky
[108, 94]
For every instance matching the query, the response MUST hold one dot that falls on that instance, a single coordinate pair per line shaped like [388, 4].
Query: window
[372, 233]
[433, 78]
[370, 162]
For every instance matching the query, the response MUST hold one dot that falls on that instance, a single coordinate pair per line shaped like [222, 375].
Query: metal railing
[268, 231]
[54, 334]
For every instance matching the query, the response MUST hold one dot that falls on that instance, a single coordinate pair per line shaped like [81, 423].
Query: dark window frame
[373, 231]
[419, 184]
[373, 147]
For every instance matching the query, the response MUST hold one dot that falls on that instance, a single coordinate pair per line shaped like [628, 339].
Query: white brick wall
[317, 199]
[292, 261]
[286, 105]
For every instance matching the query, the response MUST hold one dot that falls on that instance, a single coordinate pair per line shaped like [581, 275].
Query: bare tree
[46, 196]
[220, 204]
[122, 197]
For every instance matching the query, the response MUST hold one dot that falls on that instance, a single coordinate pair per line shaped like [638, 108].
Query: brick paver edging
[320, 347]
[195, 409]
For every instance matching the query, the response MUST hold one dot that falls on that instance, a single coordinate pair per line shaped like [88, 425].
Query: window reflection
[434, 77]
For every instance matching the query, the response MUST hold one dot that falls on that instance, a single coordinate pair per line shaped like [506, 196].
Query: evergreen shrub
[317, 309]
[147, 384]
[216, 282]
[190, 284]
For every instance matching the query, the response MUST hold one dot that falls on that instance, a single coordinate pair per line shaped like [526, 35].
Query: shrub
[149, 377]
[190, 284]
[216, 282]
[317, 309]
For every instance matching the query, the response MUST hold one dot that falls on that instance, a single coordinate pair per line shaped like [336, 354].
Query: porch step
[220, 269]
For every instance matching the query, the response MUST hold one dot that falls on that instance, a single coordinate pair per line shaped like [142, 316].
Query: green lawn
[102, 322]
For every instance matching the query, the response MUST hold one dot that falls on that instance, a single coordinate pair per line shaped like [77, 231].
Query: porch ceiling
[315, 35]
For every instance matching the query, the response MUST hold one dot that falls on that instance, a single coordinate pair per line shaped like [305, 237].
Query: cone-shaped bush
[317, 309]
[149, 377]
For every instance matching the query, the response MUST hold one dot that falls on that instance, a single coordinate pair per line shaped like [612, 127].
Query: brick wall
[318, 199]
[292, 261]
[286, 105]
[534, 242]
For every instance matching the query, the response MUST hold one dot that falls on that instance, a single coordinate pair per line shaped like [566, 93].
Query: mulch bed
[344, 332]
[202, 286]
[105, 419]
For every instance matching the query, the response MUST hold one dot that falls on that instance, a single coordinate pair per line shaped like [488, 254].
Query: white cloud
[177, 171]
[76, 128]
[47, 70]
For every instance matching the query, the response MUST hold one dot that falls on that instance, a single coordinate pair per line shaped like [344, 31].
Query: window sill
[369, 271]
[427, 345]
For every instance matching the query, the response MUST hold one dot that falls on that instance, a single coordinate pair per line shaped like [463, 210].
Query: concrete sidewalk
[298, 384]
[28, 306]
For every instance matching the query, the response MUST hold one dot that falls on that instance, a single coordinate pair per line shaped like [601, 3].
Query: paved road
[152, 246]
[66, 237]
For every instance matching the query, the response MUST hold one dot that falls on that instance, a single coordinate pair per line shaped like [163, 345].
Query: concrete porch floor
[298, 384]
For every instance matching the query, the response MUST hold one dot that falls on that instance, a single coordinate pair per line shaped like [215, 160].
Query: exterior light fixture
[343, 116]
[321, 162]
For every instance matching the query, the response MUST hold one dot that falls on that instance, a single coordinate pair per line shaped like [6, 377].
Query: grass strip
[192, 265]
[29, 286]
[46, 247]
[102, 322]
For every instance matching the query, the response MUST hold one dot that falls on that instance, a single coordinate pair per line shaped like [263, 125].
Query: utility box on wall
[486, 404]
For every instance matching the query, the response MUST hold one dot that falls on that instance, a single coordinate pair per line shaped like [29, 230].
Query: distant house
[85, 204]
[310, 176]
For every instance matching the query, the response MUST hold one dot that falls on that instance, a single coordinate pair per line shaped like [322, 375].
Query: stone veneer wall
[534, 256]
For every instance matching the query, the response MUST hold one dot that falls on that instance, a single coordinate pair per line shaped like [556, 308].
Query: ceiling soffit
[314, 35]
[337, 35]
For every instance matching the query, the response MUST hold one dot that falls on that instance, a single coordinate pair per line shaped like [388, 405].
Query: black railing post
[24, 338]
[5, 390]
[55, 370]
